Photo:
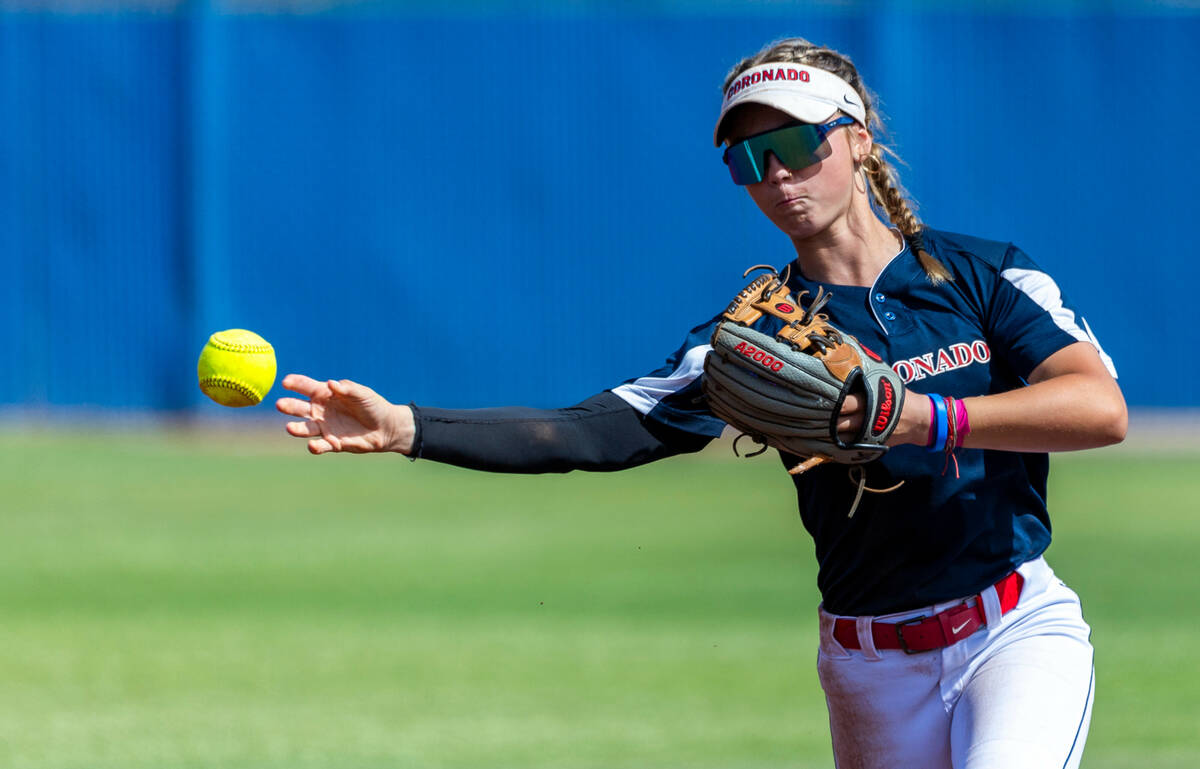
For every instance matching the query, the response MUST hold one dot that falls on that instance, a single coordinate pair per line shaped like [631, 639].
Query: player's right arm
[645, 419]
[603, 432]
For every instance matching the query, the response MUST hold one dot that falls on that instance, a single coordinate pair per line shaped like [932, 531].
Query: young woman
[946, 640]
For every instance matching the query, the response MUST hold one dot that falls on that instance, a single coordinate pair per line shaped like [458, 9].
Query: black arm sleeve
[602, 433]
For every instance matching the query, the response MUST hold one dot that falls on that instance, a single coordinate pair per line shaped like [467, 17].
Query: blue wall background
[501, 204]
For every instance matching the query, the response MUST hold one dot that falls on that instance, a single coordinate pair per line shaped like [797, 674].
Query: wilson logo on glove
[887, 402]
[758, 356]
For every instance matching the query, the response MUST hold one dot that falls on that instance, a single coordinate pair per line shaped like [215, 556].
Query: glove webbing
[806, 327]
[768, 295]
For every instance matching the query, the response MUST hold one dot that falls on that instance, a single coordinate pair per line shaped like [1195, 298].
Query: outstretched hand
[340, 415]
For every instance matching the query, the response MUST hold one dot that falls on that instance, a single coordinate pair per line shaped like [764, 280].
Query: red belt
[922, 634]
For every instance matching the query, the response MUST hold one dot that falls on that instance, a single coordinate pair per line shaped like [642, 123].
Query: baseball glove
[787, 391]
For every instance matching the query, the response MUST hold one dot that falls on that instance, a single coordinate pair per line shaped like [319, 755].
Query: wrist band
[939, 427]
[963, 423]
[951, 425]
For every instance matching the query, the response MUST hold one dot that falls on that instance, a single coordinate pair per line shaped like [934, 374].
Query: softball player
[945, 638]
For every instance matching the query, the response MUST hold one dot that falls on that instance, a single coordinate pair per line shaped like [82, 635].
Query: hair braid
[883, 180]
[889, 194]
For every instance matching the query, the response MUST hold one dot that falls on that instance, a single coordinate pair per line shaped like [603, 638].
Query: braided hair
[887, 193]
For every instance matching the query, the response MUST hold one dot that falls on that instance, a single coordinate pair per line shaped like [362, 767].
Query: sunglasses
[795, 146]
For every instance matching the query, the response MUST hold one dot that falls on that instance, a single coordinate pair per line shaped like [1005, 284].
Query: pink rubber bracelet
[962, 422]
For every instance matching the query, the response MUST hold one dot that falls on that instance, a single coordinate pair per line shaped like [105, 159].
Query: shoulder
[967, 249]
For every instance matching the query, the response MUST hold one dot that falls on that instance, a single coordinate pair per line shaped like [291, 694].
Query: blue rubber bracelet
[941, 422]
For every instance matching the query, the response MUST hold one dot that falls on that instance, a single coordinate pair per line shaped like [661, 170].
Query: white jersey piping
[646, 392]
[871, 293]
[1042, 289]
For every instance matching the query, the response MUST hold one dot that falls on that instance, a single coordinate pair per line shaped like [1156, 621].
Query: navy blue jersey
[939, 536]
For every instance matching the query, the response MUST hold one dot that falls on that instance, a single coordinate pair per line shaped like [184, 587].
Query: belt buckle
[900, 633]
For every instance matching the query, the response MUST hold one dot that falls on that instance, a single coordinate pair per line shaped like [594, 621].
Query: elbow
[1115, 429]
[1112, 421]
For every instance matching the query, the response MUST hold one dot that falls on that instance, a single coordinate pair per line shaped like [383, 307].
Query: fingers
[850, 424]
[294, 407]
[306, 386]
[850, 419]
[320, 446]
[325, 444]
[349, 389]
[303, 429]
[313, 411]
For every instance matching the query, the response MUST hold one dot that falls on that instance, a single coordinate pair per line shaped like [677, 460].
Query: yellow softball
[236, 368]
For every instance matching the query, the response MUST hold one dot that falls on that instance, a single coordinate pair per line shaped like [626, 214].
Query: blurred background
[473, 203]
[430, 197]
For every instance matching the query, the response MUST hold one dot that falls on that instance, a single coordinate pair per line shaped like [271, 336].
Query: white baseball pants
[1016, 694]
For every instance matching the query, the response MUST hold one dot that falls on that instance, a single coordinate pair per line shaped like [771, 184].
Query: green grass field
[184, 600]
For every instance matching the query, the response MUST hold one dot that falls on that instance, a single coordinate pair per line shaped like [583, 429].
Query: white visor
[806, 93]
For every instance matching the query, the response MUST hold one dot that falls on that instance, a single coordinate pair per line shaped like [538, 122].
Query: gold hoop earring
[863, 178]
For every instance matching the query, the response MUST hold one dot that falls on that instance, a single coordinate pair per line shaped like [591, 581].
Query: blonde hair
[887, 193]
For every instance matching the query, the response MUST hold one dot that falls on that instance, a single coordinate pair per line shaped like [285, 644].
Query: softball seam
[221, 344]
[230, 384]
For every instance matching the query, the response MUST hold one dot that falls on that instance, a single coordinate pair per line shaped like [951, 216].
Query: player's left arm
[1072, 402]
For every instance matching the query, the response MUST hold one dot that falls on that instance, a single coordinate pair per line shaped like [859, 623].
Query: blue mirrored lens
[795, 146]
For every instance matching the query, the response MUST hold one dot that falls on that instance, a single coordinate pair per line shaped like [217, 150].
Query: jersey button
[879, 298]
[890, 315]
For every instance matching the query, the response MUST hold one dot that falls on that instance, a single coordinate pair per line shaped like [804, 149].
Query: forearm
[1071, 404]
[602, 433]
[1067, 413]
